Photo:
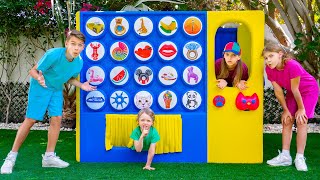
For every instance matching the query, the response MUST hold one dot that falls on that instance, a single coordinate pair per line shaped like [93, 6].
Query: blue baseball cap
[232, 47]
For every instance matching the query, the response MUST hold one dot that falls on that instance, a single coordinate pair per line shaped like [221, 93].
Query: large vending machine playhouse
[165, 61]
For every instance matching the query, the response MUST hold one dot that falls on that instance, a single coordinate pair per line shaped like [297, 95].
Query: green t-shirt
[152, 137]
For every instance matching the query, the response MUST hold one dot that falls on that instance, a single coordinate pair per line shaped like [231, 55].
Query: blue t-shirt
[56, 69]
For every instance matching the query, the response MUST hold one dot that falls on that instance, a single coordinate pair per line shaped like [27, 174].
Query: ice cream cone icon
[167, 98]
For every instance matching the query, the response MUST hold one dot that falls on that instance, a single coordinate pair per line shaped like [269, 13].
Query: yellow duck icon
[168, 28]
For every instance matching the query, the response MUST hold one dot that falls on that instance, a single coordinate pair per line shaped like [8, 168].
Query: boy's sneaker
[300, 164]
[53, 161]
[8, 164]
[280, 160]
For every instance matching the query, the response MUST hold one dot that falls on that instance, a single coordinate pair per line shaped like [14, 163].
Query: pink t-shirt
[308, 86]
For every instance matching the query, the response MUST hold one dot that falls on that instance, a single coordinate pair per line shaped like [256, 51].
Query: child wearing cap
[230, 70]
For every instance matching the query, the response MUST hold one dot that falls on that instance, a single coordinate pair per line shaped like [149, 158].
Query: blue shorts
[41, 99]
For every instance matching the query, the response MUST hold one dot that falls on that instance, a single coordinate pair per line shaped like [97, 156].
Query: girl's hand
[221, 83]
[301, 117]
[87, 87]
[148, 168]
[286, 117]
[242, 85]
[41, 80]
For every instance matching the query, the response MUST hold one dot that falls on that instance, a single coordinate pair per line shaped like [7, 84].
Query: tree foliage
[21, 29]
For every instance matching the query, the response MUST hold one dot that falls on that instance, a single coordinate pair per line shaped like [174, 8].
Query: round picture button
[143, 51]
[168, 75]
[143, 75]
[119, 26]
[167, 99]
[143, 26]
[95, 51]
[119, 100]
[95, 100]
[192, 26]
[191, 100]
[168, 26]
[192, 75]
[119, 51]
[143, 99]
[119, 75]
[168, 50]
[192, 51]
[95, 26]
[96, 75]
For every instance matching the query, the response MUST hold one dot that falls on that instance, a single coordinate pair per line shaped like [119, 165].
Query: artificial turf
[28, 165]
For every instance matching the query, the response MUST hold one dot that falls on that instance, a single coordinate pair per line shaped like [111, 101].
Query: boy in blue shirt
[56, 67]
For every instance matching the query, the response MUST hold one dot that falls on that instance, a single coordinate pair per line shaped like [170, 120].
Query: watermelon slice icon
[119, 75]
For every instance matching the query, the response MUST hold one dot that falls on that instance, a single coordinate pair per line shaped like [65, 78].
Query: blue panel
[194, 122]
[155, 87]
[92, 147]
[223, 36]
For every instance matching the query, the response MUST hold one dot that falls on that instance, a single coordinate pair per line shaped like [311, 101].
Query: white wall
[21, 71]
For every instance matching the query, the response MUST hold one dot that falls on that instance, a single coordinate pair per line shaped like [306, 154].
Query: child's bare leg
[284, 158]
[22, 133]
[302, 131]
[300, 161]
[49, 159]
[286, 135]
[53, 133]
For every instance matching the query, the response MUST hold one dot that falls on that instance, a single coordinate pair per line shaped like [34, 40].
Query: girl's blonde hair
[224, 72]
[148, 111]
[275, 47]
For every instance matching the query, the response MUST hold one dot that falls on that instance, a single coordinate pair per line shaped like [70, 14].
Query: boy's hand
[148, 168]
[41, 80]
[221, 83]
[87, 87]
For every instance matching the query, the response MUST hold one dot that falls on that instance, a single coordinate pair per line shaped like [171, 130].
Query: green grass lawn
[28, 165]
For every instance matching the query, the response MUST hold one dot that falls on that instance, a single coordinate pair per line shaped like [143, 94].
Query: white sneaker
[300, 164]
[280, 160]
[53, 161]
[8, 164]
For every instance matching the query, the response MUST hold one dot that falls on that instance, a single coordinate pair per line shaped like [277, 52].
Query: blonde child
[230, 70]
[145, 136]
[56, 67]
[298, 105]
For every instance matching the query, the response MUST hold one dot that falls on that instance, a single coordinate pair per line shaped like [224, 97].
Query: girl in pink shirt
[298, 105]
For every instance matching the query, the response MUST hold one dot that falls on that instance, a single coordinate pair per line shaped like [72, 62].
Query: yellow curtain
[120, 126]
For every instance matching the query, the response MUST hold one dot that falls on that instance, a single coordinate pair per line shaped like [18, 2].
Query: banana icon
[168, 28]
